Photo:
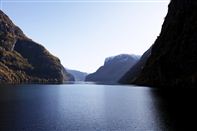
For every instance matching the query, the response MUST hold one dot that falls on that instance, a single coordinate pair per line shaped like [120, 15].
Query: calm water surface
[83, 107]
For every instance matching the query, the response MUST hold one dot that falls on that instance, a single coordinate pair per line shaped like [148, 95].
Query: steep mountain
[78, 75]
[135, 70]
[114, 68]
[173, 58]
[23, 60]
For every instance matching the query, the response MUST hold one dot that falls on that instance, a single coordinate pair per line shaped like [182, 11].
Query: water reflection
[93, 107]
[177, 107]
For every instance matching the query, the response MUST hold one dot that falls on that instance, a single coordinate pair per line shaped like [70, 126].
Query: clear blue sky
[82, 34]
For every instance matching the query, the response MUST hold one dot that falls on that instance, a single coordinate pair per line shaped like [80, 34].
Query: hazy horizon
[83, 33]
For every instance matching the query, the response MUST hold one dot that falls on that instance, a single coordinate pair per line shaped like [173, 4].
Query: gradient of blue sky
[83, 34]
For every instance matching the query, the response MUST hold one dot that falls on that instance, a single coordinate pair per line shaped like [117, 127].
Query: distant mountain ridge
[78, 75]
[114, 68]
[23, 60]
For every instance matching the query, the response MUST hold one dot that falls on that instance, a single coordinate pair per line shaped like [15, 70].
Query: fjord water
[84, 107]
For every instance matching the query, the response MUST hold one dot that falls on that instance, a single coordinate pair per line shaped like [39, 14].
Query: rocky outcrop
[114, 68]
[173, 59]
[23, 60]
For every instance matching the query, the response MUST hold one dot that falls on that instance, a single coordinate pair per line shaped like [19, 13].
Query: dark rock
[173, 59]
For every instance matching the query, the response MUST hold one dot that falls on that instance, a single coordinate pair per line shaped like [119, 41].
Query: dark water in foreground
[88, 107]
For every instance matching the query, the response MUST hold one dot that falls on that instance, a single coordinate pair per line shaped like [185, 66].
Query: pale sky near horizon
[83, 33]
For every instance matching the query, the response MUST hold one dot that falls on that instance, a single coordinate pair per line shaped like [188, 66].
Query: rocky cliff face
[9, 33]
[23, 60]
[173, 59]
[113, 69]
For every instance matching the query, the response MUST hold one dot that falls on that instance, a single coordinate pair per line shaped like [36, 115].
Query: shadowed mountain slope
[173, 58]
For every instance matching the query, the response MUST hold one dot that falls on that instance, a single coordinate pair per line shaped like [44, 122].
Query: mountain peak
[121, 58]
[114, 68]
